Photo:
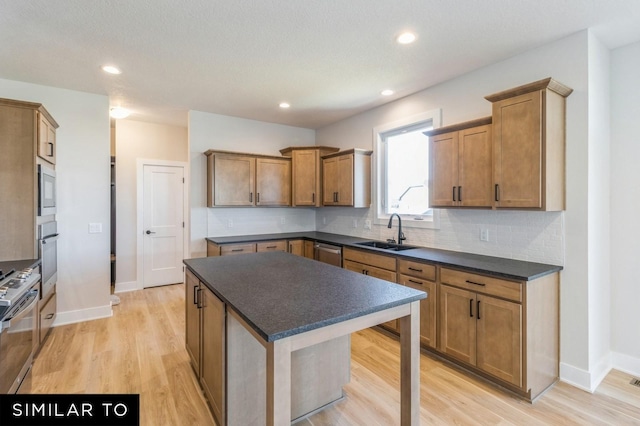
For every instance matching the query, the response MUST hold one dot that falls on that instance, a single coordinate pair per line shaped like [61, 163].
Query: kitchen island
[276, 320]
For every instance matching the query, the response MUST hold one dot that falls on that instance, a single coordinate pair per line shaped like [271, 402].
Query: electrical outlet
[355, 223]
[324, 220]
[367, 224]
[230, 223]
[95, 228]
[484, 234]
[283, 220]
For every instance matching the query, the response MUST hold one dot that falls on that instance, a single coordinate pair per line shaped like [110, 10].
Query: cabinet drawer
[371, 271]
[369, 258]
[47, 316]
[417, 269]
[272, 246]
[482, 284]
[414, 282]
[227, 250]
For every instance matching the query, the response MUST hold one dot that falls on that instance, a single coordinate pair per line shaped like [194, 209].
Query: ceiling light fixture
[111, 69]
[284, 105]
[119, 112]
[406, 38]
[387, 92]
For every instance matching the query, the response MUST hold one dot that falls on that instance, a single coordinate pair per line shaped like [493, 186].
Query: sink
[386, 246]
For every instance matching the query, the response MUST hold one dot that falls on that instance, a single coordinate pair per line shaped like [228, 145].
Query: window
[402, 153]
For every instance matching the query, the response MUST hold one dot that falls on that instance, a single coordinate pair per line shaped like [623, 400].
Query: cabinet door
[443, 170]
[273, 182]
[372, 271]
[427, 308]
[271, 246]
[233, 180]
[345, 180]
[306, 172]
[213, 352]
[296, 247]
[499, 338]
[517, 151]
[457, 323]
[192, 320]
[308, 250]
[329, 181]
[475, 172]
[46, 140]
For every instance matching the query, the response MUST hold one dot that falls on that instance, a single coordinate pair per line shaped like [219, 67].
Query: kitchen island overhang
[289, 304]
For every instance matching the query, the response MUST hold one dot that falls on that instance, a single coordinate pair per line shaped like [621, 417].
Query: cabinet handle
[50, 149]
[414, 269]
[365, 272]
[251, 197]
[475, 283]
[416, 282]
[237, 250]
[335, 196]
[459, 193]
[478, 309]
[313, 197]
[471, 308]
[199, 299]
[195, 295]
[272, 247]
[453, 194]
[497, 192]
[257, 197]
[48, 317]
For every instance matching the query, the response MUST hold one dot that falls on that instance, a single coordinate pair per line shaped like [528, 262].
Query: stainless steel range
[19, 294]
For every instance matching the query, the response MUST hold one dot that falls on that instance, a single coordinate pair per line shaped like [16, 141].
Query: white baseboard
[583, 379]
[72, 317]
[127, 286]
[626, 363]
[600, 371]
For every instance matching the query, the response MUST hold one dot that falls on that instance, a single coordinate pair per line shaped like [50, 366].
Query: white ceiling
[328, 58]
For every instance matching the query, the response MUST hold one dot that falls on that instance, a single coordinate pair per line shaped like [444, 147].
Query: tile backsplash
[522, 235]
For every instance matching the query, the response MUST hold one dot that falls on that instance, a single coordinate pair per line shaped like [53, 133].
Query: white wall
[557, 238]
[213, 131]
[599, 213]
[138, 140]
[82, 167]
[625, 205]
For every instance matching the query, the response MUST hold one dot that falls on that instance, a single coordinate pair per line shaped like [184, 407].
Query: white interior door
[163, 225]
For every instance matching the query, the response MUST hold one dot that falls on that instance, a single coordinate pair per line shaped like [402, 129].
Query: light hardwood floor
[141, 350]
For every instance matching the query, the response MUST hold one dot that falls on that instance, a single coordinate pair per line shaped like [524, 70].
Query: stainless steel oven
[48, 239]
[46, 191]
[18, 330]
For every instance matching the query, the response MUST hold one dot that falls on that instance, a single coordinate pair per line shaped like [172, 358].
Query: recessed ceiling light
[284, 105]
[111, 69]
[406, 38]
[387, 92]
[119, 112]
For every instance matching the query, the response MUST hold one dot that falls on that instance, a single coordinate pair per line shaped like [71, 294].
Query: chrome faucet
[401, 236]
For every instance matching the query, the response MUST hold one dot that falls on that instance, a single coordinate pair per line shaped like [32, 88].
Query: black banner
[70, 410]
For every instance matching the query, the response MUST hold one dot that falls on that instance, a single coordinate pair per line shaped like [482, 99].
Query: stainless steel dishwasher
[328, 254]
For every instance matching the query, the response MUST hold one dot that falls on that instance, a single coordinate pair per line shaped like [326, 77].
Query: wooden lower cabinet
[309, 251]
[296, 247]
[213, 368]
[378, 266]
[192, 320]
[280, 245]
[427, 307]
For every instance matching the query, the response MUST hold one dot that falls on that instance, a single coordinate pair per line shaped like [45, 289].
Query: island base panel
[318, 374]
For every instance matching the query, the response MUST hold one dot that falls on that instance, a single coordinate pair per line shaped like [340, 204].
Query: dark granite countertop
[505, 268]
[6, 266]
[281, 294]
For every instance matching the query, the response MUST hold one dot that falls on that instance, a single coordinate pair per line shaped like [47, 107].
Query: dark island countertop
[280, 294]
[505, 268]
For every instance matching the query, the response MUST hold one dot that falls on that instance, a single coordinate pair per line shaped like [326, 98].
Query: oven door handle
[50, 239]
[22, 312]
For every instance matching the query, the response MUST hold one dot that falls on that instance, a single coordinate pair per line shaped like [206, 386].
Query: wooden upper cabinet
[47, 138]
[237, 180]
[529, 146]
[346, 178]
[306, 173]
[273, 182]
[460, 165]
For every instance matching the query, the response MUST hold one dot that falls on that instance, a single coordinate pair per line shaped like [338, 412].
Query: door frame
[140, 163]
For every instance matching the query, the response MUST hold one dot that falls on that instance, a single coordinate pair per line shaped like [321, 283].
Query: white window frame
[432, 117]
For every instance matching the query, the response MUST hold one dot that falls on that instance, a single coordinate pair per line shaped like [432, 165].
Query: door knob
[149, 232]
